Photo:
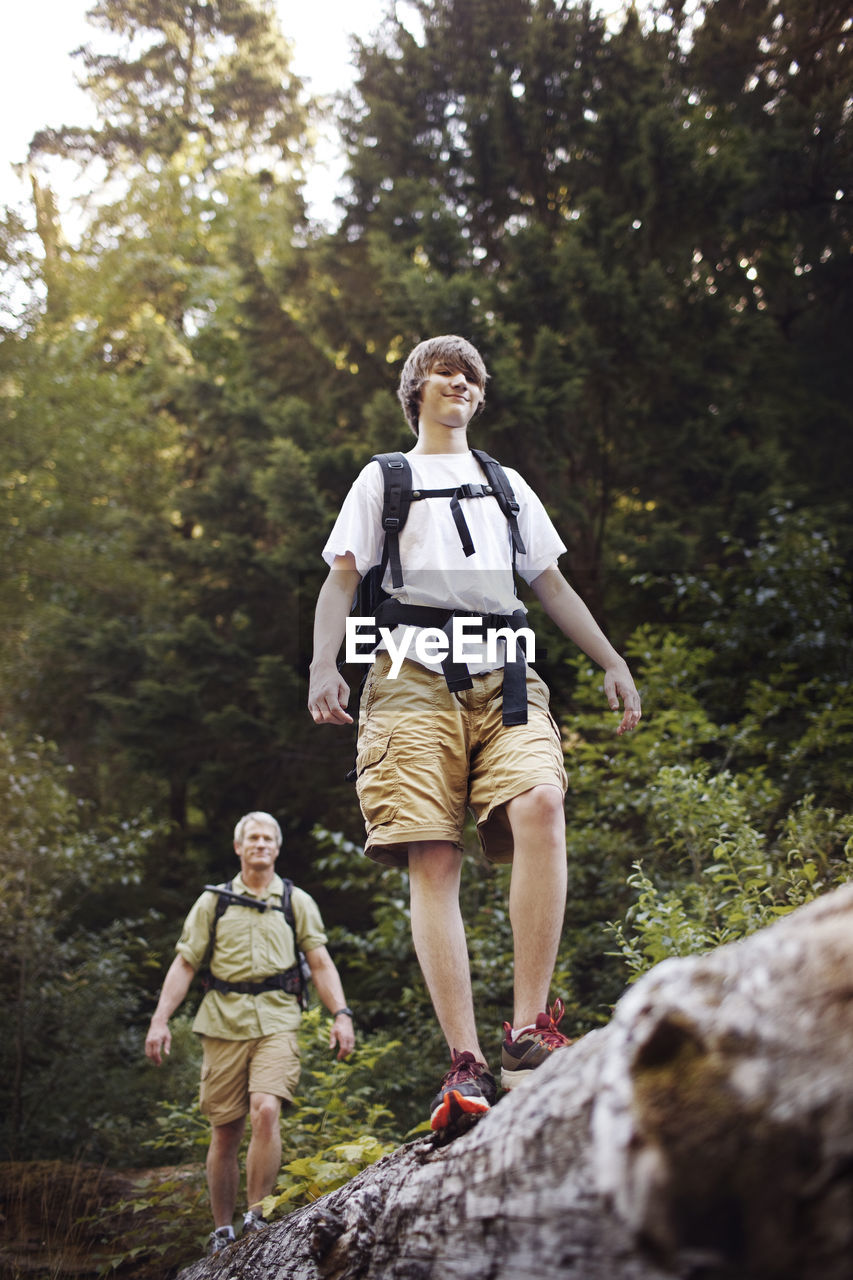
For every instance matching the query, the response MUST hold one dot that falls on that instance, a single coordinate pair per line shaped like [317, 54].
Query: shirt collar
[275, 886]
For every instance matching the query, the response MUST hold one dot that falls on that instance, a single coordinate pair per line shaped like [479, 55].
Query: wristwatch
[345, 1010]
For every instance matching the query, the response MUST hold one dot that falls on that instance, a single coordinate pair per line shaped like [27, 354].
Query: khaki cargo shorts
[231, 1070]
[425, 755]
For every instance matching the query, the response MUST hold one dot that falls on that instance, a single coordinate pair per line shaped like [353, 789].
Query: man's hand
[158, 1042]
[342, 1034]
[619, 684]
[328, 695]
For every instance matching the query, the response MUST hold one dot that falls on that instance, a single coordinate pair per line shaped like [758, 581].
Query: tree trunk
[706, 1132]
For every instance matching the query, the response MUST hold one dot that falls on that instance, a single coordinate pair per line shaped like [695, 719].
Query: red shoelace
[545, 1027]
[464, 1066]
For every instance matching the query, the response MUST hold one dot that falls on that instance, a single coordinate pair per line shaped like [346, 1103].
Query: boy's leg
[537, 899]
[438, 933]
[468, 1089]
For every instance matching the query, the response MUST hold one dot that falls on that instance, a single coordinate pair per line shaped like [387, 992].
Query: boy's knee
[542, 804]
[434, 862]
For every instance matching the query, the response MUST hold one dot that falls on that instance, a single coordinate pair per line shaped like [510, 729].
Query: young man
[251, 1054]
[426, 752]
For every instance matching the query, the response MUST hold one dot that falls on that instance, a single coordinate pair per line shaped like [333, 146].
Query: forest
[644, 221]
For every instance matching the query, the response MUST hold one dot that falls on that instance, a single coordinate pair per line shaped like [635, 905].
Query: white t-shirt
[436, 570]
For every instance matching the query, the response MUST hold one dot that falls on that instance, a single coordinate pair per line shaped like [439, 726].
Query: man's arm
[327, 980]
[564, 606]
[328, 692]
[176, 984]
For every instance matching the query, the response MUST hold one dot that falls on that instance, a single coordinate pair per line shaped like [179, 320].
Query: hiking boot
[219, 1240]
[467, 1090]
[253, 1221]
[533, 1046]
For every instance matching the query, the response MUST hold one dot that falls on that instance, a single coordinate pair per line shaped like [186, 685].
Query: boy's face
[449, 397]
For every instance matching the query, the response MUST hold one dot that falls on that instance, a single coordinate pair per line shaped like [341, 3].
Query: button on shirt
[250, 946]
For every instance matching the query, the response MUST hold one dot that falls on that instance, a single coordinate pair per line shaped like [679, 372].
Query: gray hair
[449, 349]
[256, 816]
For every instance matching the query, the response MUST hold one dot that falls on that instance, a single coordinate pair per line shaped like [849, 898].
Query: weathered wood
[706, 1132]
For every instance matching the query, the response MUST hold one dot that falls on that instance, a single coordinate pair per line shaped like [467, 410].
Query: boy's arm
[564, 606]
[328, 692]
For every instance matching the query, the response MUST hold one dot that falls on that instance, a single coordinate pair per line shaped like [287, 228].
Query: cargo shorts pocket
[377, 783]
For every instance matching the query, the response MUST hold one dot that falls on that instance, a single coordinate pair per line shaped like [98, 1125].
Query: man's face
[449, 397]
[258, 848]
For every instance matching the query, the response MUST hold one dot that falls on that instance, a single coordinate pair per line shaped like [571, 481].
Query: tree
[213, 70]
[67, 981]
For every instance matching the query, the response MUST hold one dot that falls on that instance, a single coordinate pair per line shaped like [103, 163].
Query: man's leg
[537, 899]
[438, 933]
[263, 1159]
[223, 1170]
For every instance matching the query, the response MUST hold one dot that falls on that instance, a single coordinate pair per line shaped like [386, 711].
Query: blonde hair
[448, 349]
[256, 816]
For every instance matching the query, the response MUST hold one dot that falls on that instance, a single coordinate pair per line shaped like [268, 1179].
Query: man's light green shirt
[250, 945]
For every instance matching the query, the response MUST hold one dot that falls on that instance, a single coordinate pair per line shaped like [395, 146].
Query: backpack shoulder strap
[301, 962]
[506, 499]
[221, 908]
[222, 902]
[397, 498]
[286, 904]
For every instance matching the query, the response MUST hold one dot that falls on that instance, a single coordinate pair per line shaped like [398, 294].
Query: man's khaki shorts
[231, 1070]
[426, 754]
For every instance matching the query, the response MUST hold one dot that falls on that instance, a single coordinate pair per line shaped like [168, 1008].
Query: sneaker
[219, 1240]
[533, 1046]
[253, 1221]
[467, 1090]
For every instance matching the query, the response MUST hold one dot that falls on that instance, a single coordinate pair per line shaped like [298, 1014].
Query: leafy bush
[68, 987]
[338, 1124]
[738, 881]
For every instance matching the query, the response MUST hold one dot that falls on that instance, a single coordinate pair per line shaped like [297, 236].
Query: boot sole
[453, 1107]
[509, 1079]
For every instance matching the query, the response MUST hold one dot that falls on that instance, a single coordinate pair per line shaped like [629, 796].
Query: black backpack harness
[390, 612]
[294, 980]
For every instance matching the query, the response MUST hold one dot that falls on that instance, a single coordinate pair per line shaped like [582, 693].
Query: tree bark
[706, 1132]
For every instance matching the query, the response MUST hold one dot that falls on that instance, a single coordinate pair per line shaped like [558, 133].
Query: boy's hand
[328, 695]
[618, 683]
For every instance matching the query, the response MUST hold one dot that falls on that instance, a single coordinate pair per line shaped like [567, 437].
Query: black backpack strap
[287, 905]
[507, 502]
[222, 903]
[301, 962]
[397, 498]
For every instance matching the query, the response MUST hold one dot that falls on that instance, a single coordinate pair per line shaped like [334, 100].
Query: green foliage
[739, 882]
[158, 1230]
[71, 1065]
[217, 71]
[339, 1123]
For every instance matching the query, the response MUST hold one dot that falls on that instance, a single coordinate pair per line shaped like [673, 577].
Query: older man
[249, 1016]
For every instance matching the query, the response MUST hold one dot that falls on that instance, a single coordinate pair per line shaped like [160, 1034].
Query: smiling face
[432, 360]
[257, 848]
[449, 398]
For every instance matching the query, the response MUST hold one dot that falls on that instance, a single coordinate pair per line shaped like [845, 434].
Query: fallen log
[706, 1132]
